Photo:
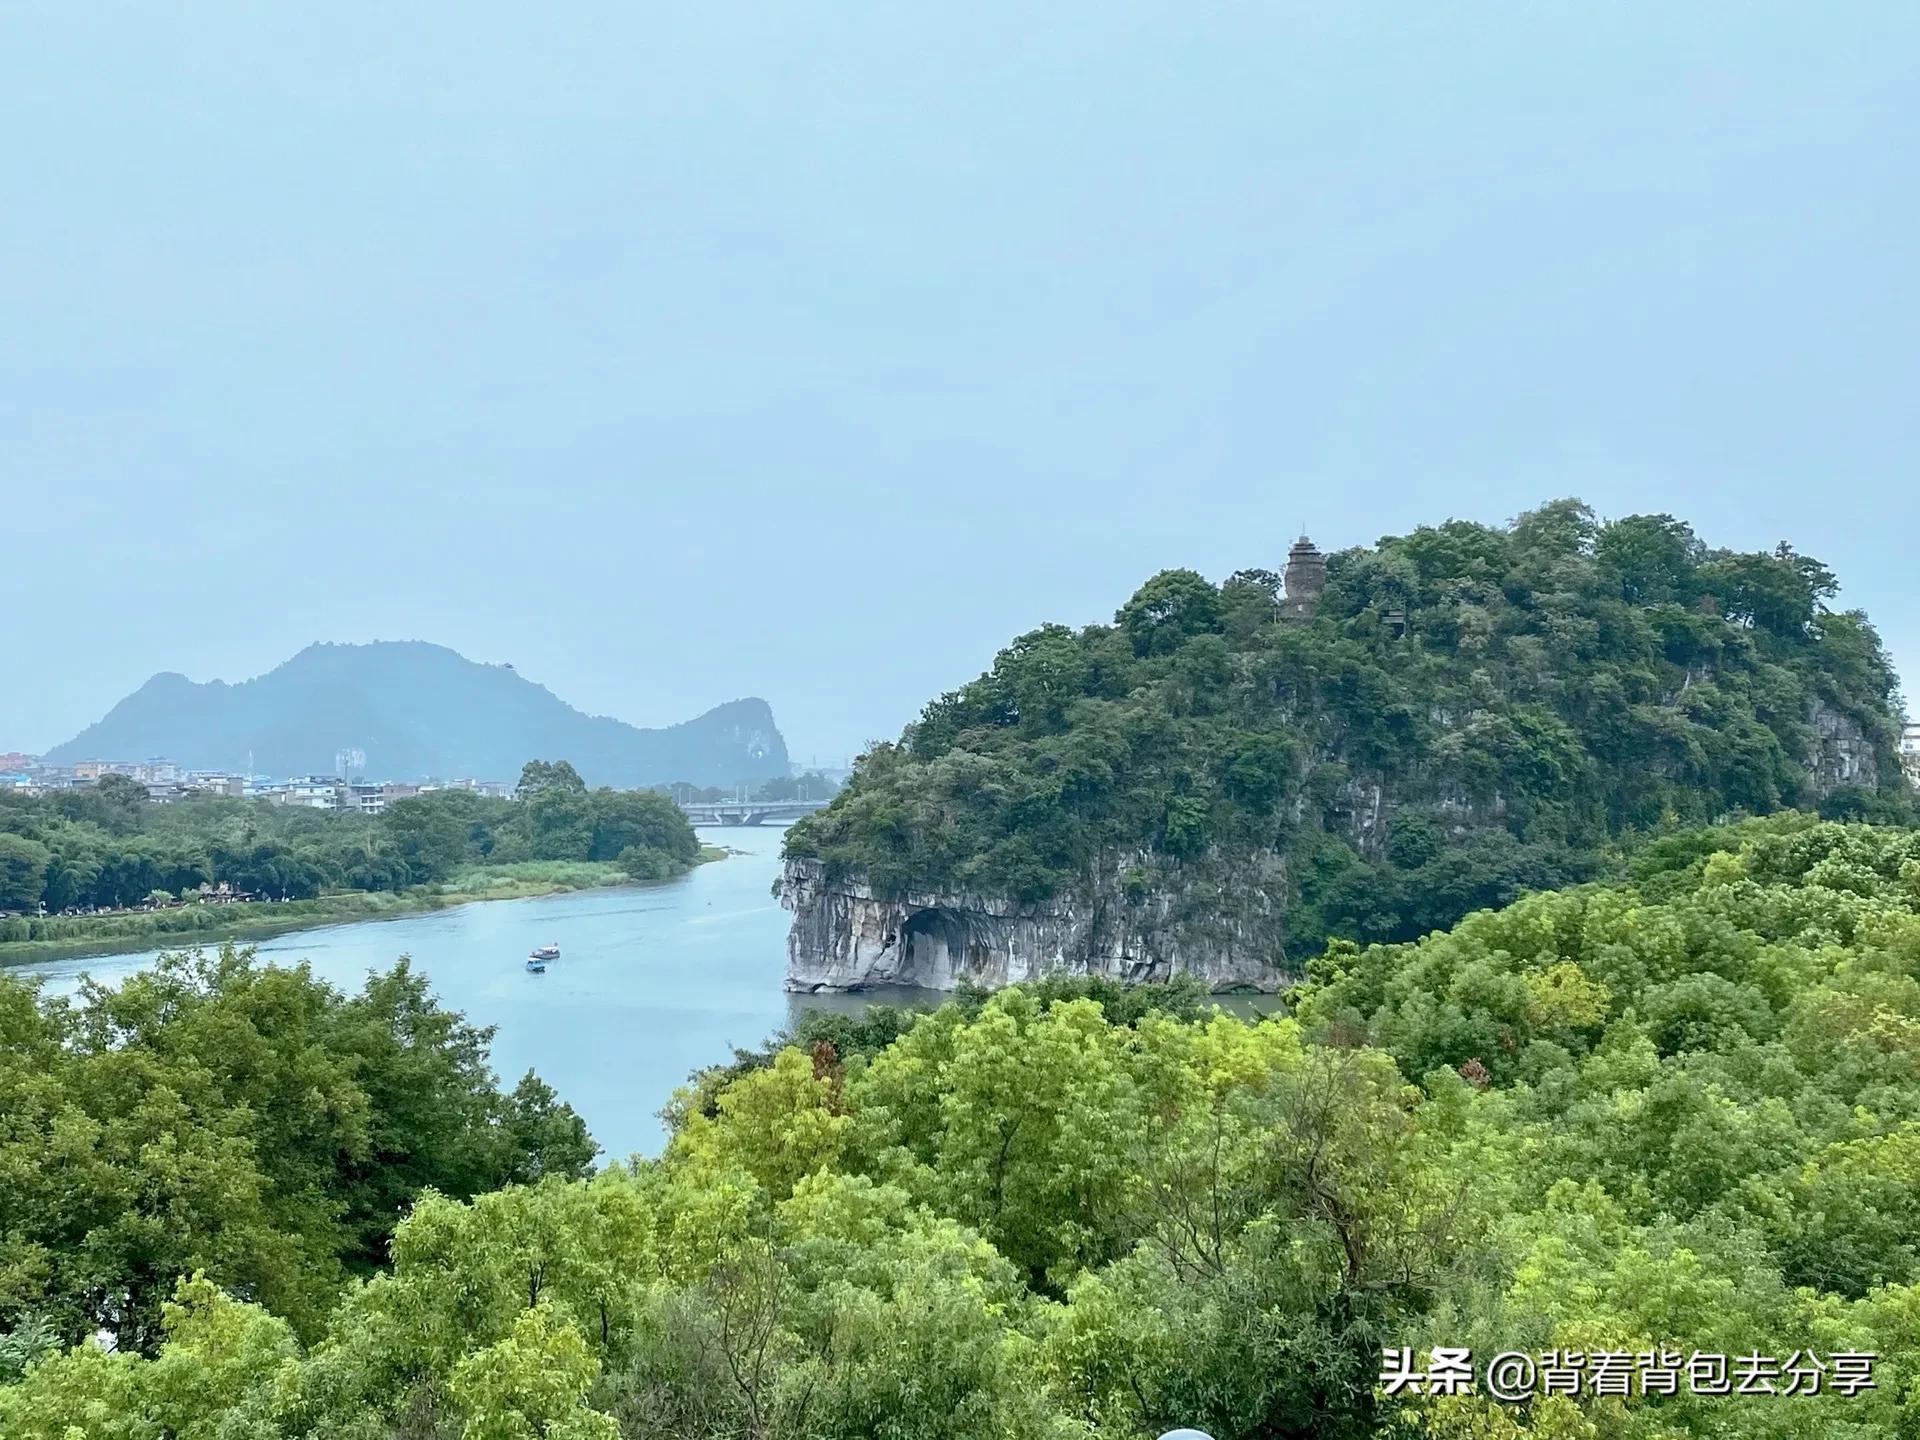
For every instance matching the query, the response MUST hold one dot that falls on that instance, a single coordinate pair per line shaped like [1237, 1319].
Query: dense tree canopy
[219, 1116]
[1674, 1112]
[1474, 712]
[106, 847]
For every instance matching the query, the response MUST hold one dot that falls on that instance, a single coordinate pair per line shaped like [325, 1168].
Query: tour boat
[548, 951]
[536, 966]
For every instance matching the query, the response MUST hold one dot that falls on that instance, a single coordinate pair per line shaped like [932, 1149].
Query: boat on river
[536, 966]
[548, 951]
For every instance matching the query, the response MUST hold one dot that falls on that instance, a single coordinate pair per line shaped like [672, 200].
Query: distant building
[312, 792]
[157, 771]
[1910, 753]
[1306, 577]
[499, 789]
[216, 782]
[371, 799]
[838, 771]
[42, 779]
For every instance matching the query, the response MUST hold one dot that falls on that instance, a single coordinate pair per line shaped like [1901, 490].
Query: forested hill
[1635, 1126]
[1472, 711]
[417, 710]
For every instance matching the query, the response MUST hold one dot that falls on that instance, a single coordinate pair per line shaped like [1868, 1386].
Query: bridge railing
[747, 812]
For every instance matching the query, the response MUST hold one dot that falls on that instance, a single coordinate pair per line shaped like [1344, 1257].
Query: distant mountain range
[417, 710]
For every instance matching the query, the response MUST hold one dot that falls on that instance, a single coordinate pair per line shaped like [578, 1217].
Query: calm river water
[653, 982]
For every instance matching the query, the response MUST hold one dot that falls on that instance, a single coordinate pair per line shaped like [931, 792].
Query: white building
[314, 792]
[372, 799]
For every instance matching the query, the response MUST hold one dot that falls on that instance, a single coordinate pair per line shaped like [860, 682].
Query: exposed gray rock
[1141, 918]
[1845, 754]
[1222, 928]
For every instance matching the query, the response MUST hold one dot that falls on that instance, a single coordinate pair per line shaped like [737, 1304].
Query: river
[654, 981]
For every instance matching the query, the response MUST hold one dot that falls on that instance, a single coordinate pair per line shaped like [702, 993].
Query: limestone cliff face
[1844, 754]
[1138, 919]
[1222, 928]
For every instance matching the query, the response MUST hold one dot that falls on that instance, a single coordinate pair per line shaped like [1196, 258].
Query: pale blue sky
[680, 352]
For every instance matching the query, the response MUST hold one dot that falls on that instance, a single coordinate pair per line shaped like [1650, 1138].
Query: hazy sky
[680, 352]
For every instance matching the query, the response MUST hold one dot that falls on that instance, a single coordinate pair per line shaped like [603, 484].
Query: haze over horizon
[719, 351]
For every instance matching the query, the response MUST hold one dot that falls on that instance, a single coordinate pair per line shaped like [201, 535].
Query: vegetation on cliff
[1676, 1114]
[1472, 712]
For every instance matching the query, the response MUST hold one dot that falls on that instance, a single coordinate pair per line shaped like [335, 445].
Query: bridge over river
[749, 812]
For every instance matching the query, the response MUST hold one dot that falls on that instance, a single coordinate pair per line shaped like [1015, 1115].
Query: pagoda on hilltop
[1306, 577]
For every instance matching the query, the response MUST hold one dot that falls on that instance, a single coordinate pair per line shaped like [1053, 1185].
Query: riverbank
[654, 981]
[63, 937]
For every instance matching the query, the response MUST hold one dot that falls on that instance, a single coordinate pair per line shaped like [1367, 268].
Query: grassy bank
[59, 937]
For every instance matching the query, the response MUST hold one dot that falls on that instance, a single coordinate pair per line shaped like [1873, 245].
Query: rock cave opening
[933, 948]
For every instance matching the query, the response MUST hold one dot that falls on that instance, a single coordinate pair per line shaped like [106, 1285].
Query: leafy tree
[23, 872]
[1654, 559]
[243, 1120]
[428, 835]
[558, 823]
[122, 793]
[532, 1383]
[542, 1134]
[539, 776]
[640, 819]
[1168, 611]
[810, 786]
